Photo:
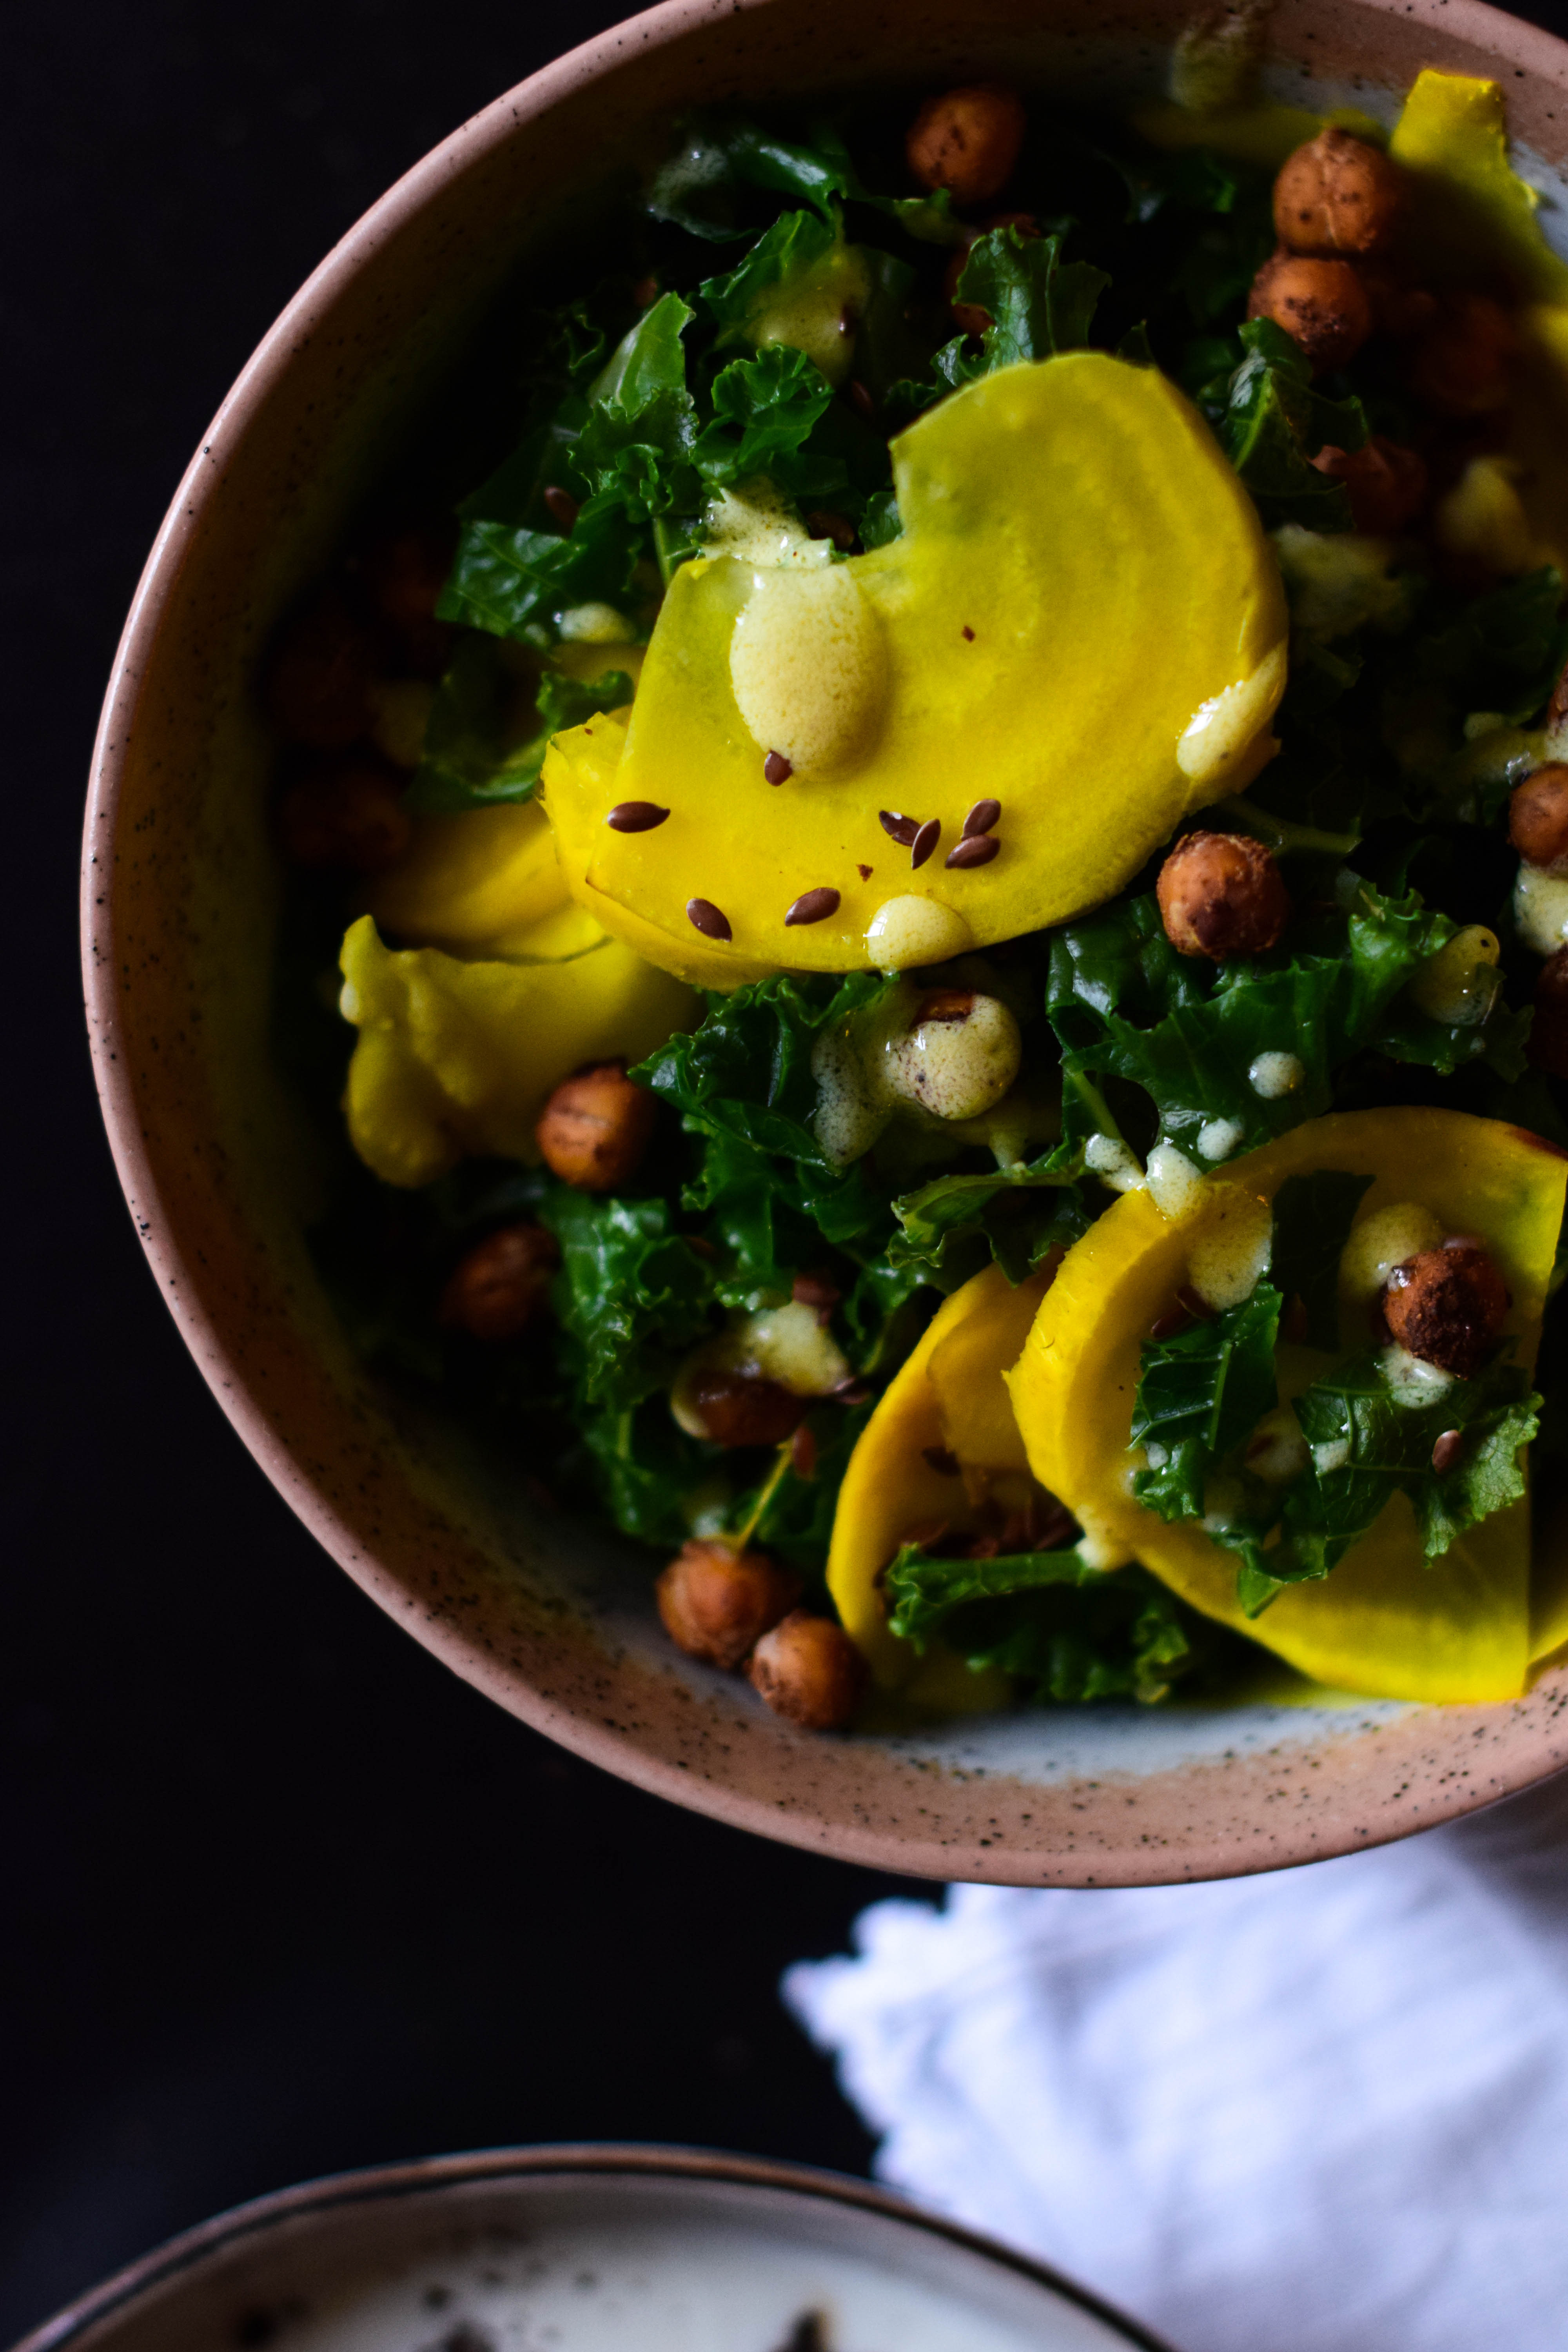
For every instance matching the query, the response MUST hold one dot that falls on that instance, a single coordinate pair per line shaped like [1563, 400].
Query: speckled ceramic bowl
[587, 2250]
[181, 897]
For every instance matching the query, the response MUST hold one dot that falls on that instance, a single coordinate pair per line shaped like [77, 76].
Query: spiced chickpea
[1338, 195]
[404, 574]
[716, 1602]
[595, 1127]
[1448, 1305]
[1322, 306]
[967, 142]
[1463, 364]
[1220, 896]
[1537, 818]
[347, 814]
[502, 1285]
[1387, 483]
[740, 1408]
[809, 1671]
[1548, 1046]
[322, 668]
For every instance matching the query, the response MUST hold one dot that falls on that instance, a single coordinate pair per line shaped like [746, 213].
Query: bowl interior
[181, 908]
[587, 2251]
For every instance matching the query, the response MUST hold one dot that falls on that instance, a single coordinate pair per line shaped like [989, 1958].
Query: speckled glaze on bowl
[180, 895]
[638, 2249]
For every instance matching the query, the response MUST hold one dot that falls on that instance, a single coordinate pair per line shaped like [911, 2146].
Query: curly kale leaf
[722, 162]
[467, 763]
[632, 1295]
[1125, 1006]
[1038, 303]
[1069, 1632]
[1200, 1396]
[746, 1075]
[1272, 424]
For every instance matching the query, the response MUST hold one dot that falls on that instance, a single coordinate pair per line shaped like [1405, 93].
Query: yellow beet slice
[457, 1057]
[1020, 642]
[1385, 1621]
[1472, 211]
[949, 1397]
[465, 881]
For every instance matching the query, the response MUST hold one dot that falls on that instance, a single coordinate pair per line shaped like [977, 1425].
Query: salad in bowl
[929, 925]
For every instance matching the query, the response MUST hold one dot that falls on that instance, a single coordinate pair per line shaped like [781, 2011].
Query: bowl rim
[583, 2160]
[863, 1841]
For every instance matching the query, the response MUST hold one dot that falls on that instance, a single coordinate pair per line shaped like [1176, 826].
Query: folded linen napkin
[1324, 2108]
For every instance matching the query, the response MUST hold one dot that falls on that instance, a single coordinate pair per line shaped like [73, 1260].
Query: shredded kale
[1069, 1632]
[467, 763]
[1125, 1006]
[1201, 1394]
[1271, 423]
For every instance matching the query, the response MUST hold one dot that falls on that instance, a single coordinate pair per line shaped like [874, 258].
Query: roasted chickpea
[318, 680]
[717, 1603]
[1462, 365]
[503, 1285]
[1537, 818]
[1221, 896]
[1387, 481]
[1557, 709]
[404, 574]
[347, 813]
[1448, 1305]
[595, 1127]
[1548, 1046]
[1322, 306]
[809, 1671]
[967, 142]
[738, 1408]
[1338, 195]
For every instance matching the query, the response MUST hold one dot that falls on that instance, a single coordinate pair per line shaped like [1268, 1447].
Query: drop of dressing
[1222, 729]
[1228, 1255]
[1382, 1242]
[1273, 1075]
[912, 931]
[808, 667]
[1540, 910]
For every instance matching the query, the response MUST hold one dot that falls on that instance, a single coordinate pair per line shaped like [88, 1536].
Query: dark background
[278, 1895]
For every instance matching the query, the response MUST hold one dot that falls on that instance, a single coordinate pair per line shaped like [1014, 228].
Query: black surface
[276, 1894]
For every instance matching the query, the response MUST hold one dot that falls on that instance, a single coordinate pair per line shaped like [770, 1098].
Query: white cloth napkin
[1326, 2108]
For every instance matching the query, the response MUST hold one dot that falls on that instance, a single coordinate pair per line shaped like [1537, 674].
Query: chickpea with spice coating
[1448, 1305]
[1322, 306]
[967, 142]
[716, 1602]
[595, 1127]
[1220, 894]
[1463, 364]
[1338, 195]
[809, 1671]
[1537, 818]
[345, 815]
[1387, 483]
[1547, 1048]
[319, 676]
[502, 1285]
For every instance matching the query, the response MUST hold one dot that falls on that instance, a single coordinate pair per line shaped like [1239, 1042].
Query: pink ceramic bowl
[652, 2249]
[180, 897]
